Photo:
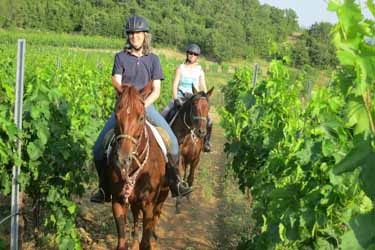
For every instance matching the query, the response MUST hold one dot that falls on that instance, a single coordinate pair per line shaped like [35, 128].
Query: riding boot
[103, 194]
[176, 184]
[207, 138]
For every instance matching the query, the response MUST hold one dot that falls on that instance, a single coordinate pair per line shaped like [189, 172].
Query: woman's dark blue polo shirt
[137, 70]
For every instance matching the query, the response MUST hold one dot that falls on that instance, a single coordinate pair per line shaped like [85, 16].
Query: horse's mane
[130, 98]
[200, 94]
[191, 98]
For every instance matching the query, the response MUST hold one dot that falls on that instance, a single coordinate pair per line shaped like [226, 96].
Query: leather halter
[130, 178]
[134, 155]
[193, 118]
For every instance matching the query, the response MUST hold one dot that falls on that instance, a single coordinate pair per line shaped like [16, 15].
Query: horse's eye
[141, 118]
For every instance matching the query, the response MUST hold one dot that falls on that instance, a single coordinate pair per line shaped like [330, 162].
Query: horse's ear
[209, 93]
[195, 91]
[146, 91]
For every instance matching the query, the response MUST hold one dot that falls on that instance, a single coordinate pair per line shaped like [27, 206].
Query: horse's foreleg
[157, 211]
[181, 166]
[135, 233]
[193, 167]
[148, 226]
[120, 210]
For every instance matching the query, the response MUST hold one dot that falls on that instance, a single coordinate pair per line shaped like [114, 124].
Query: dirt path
[196, 227]
[215, 218]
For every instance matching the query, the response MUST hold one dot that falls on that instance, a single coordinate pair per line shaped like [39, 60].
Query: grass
[204, 178]
[235, 214]
[44, 38]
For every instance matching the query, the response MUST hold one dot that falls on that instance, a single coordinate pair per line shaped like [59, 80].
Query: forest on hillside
[224, 29]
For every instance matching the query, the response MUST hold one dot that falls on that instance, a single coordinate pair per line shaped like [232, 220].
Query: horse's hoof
[123, 248]
[153, 245]
[154, 236]
[135, 245]
[178, 203]
[135, 236]
[178, 210]
[188, 197]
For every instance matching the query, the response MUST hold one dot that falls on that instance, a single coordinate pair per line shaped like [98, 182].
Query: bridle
[137, 142]
[130, 178]
[193, 117]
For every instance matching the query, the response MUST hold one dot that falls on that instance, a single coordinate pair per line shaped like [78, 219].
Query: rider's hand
[178, 102]
[118, 92]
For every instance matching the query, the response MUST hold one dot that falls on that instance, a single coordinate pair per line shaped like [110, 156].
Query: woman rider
[137, 65]
[187, 75]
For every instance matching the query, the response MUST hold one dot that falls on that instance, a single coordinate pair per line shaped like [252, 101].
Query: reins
[131, 177]
[192, 117]
[134, 155]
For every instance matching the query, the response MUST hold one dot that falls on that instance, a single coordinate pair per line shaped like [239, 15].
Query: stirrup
[207, 147]
[104, 198]
[183, 185]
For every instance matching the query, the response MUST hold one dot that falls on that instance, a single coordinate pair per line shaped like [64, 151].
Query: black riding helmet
[193, 48]
[136, 24]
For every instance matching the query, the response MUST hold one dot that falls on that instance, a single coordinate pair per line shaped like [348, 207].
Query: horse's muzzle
[125, 161]
[201, 132]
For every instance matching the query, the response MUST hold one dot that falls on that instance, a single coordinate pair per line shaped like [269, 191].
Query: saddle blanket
[159, 139]
[110, 137]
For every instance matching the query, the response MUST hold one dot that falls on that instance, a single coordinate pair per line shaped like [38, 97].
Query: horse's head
[198, 107]
[130, 122]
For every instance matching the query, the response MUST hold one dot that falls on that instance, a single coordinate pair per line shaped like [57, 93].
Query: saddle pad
[158, 139]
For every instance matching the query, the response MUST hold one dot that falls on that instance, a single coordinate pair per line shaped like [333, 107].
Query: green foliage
[224, 29]
[300, 53]
[314, 47]
[61, 99]
[67, 99]
[59, 40]
[308, 158]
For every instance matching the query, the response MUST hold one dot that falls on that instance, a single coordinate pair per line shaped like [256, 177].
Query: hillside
[224, 29]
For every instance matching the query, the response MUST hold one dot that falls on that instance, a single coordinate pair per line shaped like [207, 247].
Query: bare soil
[215, 217]
[196, 227]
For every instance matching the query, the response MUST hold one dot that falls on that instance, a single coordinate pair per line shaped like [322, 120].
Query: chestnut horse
[137, 169]
[190, 128]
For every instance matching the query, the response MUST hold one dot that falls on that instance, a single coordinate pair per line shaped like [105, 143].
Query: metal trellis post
[16, 169]
[309, 90]
[255, 73]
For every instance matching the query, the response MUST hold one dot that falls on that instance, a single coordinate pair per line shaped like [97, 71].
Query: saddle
[160, 134]
[171, 116]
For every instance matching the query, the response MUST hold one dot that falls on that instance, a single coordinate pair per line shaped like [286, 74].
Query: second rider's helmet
[193, 48]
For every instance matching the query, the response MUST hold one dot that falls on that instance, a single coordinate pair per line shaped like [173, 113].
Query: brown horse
[190, 127]
[137, 169]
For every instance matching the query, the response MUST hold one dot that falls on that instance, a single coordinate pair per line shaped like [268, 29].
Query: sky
[309, 11]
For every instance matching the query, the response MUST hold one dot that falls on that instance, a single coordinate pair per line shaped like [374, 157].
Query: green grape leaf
[371, 7]
[357, 116]
[333, 5]
[6, 184]
[354, 158]
[66, 244]
[346, 57]
[34, 151]
[53, 195]
[362, 235]
[282, 232]
[368, 176]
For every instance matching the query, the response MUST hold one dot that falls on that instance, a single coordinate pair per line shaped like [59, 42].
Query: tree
[224, 29]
